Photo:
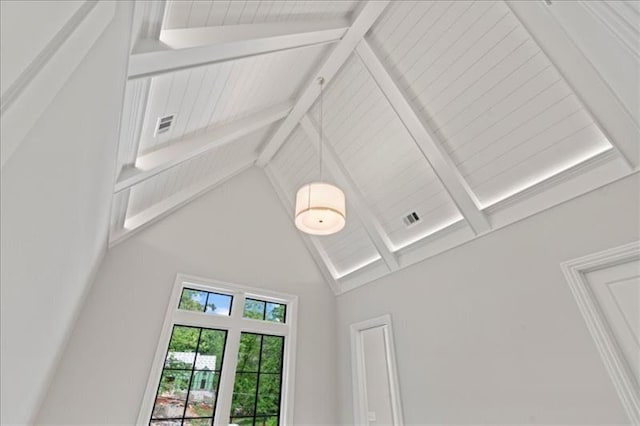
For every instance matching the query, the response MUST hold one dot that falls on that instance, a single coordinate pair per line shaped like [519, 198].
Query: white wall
[489, 333]
[56, 195]
[34, 23]
[237, 233]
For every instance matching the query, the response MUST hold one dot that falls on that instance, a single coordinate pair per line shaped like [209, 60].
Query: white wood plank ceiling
[449, 109]
[190, 14]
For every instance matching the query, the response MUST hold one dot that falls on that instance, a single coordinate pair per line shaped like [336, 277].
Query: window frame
[234, 324]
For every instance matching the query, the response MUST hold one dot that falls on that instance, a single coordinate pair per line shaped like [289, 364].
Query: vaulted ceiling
[452, 110]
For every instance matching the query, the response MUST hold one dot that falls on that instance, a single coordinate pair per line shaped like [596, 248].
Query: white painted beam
[191, 47]
[314, 248]
[157, 161]
[367, 17]
[426, 141]
[173, 203]
[119, 205]
[339, 172]
[131, 119]
[612, 117]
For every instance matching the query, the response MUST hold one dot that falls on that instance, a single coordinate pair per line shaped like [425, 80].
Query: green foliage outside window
[192, 300]
[189, 383]
[256, 393]
[262, 310]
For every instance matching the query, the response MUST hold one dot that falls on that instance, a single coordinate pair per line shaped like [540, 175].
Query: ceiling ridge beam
[185, 48]
[160, 160]
[174, 202]
[339, 172]
[338, 56]
[426, 140]
[317, 252]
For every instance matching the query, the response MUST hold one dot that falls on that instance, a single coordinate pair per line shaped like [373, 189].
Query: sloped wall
[489, 333]
[56, 195]
[237, 233]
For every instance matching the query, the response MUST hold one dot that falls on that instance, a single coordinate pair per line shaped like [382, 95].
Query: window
[189, 382]
[222, 358]
[256, 393]
[205, 301]
[263, 310]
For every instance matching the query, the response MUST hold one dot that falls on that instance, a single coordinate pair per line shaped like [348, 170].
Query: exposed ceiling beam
[147, 23]
[131, 119]
[426, 141]
[174, 202]
[316, 250]
[119, 205]
[367, 17]
[339, 172]
[148, 16]
[154, 162]
[192, 47]
[608, 112]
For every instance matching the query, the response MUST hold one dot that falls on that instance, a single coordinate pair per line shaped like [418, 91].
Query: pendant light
[320, 207]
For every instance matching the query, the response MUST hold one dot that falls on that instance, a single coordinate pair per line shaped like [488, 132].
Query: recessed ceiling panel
[297, 164]
[210, 166]
[189, 14]
[209, 96]
[382, 158]
[479, 80]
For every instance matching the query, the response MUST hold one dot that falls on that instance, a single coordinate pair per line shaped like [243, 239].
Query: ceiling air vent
[164, 124]
[411, 219]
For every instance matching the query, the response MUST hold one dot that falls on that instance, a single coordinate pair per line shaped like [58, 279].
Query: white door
[376, 377]
[376, 392]
[617, 290]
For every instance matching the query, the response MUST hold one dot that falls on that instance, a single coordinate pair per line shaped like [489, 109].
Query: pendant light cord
[321, 122]
[321, 82]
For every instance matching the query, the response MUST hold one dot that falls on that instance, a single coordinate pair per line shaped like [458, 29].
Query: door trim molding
[358, 373]
[575, 273]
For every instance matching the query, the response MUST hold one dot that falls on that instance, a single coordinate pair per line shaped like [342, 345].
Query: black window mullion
[255, 404]
[206, 302]
[195, 359]
[224, 348]
[281, 375]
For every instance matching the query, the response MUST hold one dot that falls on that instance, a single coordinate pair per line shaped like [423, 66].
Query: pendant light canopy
[320, 207]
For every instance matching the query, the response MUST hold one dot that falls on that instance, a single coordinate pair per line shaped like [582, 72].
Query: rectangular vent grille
[164, 124]
[411, 219]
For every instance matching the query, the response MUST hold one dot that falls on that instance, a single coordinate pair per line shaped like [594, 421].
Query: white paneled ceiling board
[205, 97]
[216, 163]
[383, 160]
[297, 164]
[475, 75]
[190, 14]
[462, 112]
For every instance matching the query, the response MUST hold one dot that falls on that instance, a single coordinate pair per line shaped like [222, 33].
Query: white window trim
[234, 324]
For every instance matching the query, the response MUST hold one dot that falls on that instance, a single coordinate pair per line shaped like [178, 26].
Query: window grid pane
[205, 301]
[188, 388]
[265, 311]
[258, 389]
